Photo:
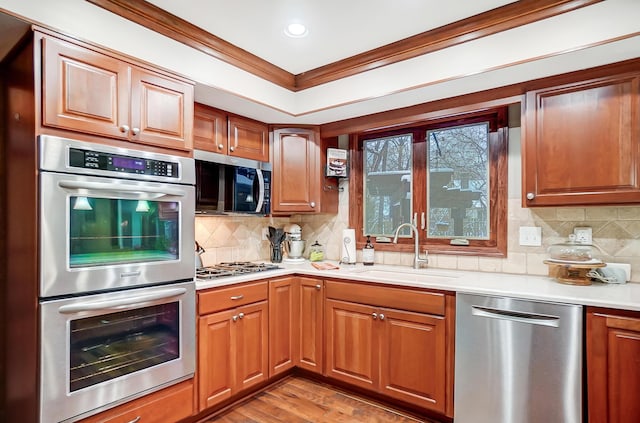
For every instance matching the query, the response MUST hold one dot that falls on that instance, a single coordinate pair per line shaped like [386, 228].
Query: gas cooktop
[234, 268]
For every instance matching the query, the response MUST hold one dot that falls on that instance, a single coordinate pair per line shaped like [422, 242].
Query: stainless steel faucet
[416, 259]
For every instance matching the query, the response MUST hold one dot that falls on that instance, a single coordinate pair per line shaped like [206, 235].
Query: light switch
[531, 236]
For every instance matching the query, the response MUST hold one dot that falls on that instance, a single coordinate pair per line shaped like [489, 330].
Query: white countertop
[621, 296]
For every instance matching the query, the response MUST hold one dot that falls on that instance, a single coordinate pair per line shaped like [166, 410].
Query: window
[447, 176]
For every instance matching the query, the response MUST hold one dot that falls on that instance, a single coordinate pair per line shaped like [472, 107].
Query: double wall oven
[117, 297]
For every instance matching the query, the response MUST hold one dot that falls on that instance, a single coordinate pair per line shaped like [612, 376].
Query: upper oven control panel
[120, 163]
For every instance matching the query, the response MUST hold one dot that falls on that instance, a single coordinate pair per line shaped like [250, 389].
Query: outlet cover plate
[531, 236]
[583, 234]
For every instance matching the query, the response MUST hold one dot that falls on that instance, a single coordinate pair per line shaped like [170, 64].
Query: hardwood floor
[299, 400]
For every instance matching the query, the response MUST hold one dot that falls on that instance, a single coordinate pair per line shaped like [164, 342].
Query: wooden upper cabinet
[210, 129]
[613, 367]
[216, 131]
[83, 90]
[248, 139]
[581, 143]
[298, 181]
[161, 110]
[93, 93]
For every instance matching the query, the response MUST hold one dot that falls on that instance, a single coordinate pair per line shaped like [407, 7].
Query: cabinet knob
[318, 287]
[312, 204]
[374, 315]
[220, 146]
[241, 315]
[124, 129]
[231, 148]
[135, 131]
[234, 318]
[530, 196]
[381, 316]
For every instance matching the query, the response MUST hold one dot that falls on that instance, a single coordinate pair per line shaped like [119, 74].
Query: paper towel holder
[348, 255]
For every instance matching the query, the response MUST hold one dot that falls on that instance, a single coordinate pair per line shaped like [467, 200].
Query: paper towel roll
[348, 246]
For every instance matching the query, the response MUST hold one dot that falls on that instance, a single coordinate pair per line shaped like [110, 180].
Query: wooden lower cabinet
[233, 347]
[351, 343]
[282, 324]
[309, 350]
[295, 324]
[171, 404]
[406, 355]
[613, 365]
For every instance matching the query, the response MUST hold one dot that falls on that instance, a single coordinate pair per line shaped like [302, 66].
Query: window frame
[496, 245]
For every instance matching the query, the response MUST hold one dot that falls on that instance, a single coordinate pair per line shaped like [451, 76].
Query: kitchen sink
[419, 275]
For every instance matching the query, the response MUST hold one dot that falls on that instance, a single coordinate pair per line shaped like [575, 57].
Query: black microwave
[227, 185]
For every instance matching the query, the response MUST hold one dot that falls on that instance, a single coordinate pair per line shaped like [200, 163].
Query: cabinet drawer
[399, 298]
[232, 296]
[168, 405]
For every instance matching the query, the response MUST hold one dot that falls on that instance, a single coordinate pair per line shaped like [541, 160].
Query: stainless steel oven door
[102, 233]
[104, 349]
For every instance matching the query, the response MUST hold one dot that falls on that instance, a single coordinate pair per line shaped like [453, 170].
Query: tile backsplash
[616, 231]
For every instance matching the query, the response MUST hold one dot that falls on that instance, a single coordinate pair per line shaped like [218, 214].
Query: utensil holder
[276, 253]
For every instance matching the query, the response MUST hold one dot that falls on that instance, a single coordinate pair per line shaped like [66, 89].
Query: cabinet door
[310, 340]
[161, 110]
[216, 358]
[296, 175]
[613, 367]
[248, 139]
[582, 143]
[413, 358]
[84, 90]
[351, 348]
[251, 343]
[209, 129]
[282, 324]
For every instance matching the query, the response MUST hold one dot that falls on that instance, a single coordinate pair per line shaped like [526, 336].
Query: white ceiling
[598, 34]
[337, 28]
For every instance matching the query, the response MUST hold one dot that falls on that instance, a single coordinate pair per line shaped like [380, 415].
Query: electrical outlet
[583, 234]
[531, 236]
[265, 234]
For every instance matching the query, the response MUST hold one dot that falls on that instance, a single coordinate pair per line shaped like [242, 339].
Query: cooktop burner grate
[235, 268]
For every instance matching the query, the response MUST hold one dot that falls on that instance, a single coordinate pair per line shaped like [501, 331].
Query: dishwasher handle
[516, 316]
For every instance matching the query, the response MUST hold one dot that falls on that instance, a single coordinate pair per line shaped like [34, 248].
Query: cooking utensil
[199, 251]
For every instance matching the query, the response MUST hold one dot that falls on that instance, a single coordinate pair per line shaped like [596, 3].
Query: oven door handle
[122, 302]
[114, 187]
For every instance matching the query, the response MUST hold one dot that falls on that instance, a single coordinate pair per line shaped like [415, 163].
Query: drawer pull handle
[237, 297]
[136, 420]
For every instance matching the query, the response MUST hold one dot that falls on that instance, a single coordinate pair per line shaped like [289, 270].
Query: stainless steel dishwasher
[517, 361]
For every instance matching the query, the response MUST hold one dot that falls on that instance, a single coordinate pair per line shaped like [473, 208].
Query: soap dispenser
[368, 253]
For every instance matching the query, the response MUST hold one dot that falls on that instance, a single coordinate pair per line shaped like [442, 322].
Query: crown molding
[510, 16]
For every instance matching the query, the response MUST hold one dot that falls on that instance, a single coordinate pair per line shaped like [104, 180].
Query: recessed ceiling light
[296, 30]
